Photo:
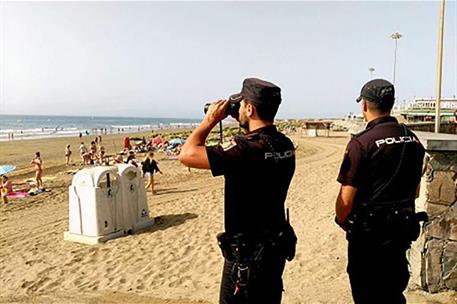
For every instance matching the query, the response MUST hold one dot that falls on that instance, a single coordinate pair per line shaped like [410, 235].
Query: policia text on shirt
[258, 168]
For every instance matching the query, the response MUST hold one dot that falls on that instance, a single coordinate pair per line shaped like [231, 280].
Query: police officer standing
[379, 177]
[258, 168]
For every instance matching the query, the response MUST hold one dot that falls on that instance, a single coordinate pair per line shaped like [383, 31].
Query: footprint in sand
[140, 287]
[31, 262]
[26, 284]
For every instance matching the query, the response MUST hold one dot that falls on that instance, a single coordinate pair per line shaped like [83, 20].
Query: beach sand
[177, 260]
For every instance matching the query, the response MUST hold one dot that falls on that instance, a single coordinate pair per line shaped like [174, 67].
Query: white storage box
[95, 206]
[134, 200]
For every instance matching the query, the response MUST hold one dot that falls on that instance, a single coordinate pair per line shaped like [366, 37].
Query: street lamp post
[439, 70]
[371, 70]
[395, 36]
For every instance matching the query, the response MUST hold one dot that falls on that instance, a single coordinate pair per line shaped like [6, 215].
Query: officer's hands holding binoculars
[217, 111]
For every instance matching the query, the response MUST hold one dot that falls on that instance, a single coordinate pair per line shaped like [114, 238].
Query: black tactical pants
[378, 274]
[265, 288]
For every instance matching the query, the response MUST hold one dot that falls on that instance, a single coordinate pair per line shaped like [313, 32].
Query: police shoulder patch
[228, 145]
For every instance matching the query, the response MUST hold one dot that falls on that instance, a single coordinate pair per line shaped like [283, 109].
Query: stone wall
[445, 127]
[433, 257]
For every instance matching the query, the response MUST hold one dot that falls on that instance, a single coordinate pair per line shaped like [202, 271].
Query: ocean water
[30, 127]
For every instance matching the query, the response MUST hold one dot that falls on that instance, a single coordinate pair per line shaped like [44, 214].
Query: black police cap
[377, 90]
[258, 92]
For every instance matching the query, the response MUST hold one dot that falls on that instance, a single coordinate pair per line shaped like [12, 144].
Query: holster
[239, 247]
[246, 255]
[285, 240]
[385, 223]
[288, 241]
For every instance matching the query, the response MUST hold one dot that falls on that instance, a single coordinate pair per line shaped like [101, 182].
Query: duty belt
[246, 252]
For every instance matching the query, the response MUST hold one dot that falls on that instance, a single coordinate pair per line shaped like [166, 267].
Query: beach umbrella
[177, 141]
[5, 169]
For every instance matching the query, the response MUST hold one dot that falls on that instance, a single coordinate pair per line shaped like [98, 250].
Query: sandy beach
[177, 260]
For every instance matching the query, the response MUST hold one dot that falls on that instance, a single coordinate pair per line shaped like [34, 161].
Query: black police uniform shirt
[258, 168]
[373, 156]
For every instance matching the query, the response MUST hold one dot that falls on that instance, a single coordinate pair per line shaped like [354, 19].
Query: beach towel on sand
[18, 194]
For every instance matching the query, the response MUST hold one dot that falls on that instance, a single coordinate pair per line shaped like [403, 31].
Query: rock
[433, 253]
[435, 228]
[442, 161]
[450, 265]
[442, 189]
[450, 227]
[417, 264]
[434, 210]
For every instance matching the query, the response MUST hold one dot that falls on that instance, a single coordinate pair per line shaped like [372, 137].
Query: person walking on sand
[38, 166]
[67, 155]
[149, 167]
[258, 168]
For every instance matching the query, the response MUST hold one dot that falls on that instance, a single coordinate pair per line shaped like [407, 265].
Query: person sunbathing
[6, 188]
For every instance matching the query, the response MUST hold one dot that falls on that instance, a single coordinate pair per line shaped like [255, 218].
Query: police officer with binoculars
[258, 167]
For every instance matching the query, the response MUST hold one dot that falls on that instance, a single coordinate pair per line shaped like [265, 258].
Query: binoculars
[232, 109]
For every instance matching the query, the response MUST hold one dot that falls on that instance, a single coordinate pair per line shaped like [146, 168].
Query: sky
[167, 59]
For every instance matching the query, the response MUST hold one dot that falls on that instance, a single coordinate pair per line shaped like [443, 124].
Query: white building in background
[423, 109]
[429, 103]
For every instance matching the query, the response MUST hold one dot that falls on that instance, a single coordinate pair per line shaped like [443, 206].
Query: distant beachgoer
[101, 155]
[6, 187]
[38, 165]
[80, 135]
[131, 160]
[149, 167]
[67, 155]
[149, 145]
[83, 152]
[12, 136]
[93, 152]
[127, 145]
[119, 159]
[100, 139]
[87, 132]
[96, 139]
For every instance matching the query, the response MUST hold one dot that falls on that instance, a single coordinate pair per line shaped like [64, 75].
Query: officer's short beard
[244, 122]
